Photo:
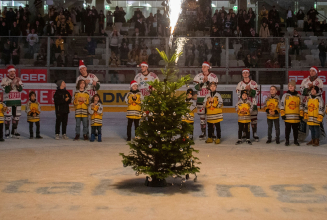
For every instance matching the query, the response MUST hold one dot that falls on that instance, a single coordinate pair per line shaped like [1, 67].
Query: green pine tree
[163, 144]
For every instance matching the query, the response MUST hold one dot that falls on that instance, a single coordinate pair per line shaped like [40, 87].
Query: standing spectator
[246, 27]
[40, 19]
[252, 16]
[4, 31]
[75, 62]
[295, 43]
[114, 41]
[189, 53]
[124, 50]
[280, 50]
[113, 60]
[309, 26]
[289, 17]
[101, 21]
[277, 31]
[89, 24]
[203, 52]
[38, 28]
[118, 19]
[51, 29]
[322, 53]
[140, 25]
[264, 33]
[15, 53]
[274, 15]
[154, 58]
[247, 61]
[32, 40]
[216, 51]
[73, 15]
[323, 26]
[263, 14]
[62, 59]
[110, 19]
[63, 28]
[300, 18]
[6, 52]
[10, 17]
[312, 13]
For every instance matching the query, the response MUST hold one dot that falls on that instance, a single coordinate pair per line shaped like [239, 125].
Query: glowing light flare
[175, 8]
[180, 42]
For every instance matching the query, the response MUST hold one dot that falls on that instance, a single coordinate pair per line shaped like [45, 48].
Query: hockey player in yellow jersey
[133, 100]
[271, 106]
[291, 110]
[213, 104]
[3, 108]
[81, 104]
[244, 108]
[33, 110]
[192, 107]
[314, 111]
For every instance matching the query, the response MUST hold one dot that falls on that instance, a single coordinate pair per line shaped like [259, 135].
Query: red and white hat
[81, 64]
[205, 63]
[133, 83]
[243, 70]
[144, 64]
[315, 69]
[10, 68]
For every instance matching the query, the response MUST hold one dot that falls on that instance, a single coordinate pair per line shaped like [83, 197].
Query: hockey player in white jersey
[12, 87]
[252, 87]
[143, 78]
[201, 83]
[91, 81]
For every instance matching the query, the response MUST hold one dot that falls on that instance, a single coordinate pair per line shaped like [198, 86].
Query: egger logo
[292, 105]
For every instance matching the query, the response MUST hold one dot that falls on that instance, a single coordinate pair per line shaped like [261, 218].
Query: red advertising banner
[43, 96]
[29, 75]
[299, 76]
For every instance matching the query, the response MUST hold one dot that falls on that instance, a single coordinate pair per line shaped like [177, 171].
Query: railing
[228, 56]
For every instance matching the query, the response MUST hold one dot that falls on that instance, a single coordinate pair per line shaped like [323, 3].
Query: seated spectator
[144, 56]
[114, 41]
[15, 53]
[133, 57]
[113, 60]
[317, 27]
[62, 59]
[124, 50]
[60, 44]
[136, 37]
[247, 61]
[41, 59]
[153, 28]
[254, 61]
[237, 32]
[70, 25]
[154, 58]
[268, 64]
[125, 40]
[51, 29]
[241, 54]
[90, 46]
[32, 40]
[280, 50]
[276, 64]
[4, 31]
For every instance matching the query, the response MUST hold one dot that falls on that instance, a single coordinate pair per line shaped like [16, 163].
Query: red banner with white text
[299, 76]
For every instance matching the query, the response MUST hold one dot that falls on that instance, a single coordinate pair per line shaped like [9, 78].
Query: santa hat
[205, 63]
[133, 83]
[144, 64]
[245, 70]
[10, 68]
[81, 64]
[315, 69]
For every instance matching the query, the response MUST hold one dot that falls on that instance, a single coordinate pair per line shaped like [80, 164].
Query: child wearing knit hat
[291, 111]
[133, 100]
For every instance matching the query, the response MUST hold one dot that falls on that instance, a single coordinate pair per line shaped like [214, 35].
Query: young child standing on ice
[133, 100]
[314, 111]
[271, 106]
[244, 108]
[96, 112]
[81, 103]
[213, 104]
[192, 107]
[291, 110]
[3, 108]
[33, 110]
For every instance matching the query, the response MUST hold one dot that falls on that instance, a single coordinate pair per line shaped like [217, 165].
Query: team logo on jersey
[271, 106]
[312, 107]
[292, 105]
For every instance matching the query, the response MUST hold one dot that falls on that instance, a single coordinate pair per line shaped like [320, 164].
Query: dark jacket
[61, 106]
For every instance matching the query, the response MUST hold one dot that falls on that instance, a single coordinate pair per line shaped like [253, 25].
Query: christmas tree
[162, 145]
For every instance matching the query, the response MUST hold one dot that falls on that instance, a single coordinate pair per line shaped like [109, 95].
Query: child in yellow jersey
[244, 108]
[192, 107]
[3, 108]
[314, 111]
[133, 100]
[214, 104]
[96, 112]
[81, 104]
[291, 110]
[33, 110]
[271, 106]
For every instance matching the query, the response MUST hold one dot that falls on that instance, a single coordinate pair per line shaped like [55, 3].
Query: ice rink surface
[66, 179]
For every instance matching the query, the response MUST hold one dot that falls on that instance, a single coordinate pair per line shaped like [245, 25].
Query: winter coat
[61, 105]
